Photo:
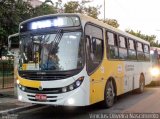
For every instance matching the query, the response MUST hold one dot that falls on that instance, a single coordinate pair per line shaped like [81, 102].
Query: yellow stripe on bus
[29, 83]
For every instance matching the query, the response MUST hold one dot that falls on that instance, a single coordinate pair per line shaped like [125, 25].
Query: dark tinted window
[146, 52]
[140, 54]
[131, 50]
[94, 47]
[112, 45]
[122, 48]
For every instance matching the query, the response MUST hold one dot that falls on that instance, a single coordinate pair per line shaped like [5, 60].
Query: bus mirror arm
[12, 53]
[9, 44]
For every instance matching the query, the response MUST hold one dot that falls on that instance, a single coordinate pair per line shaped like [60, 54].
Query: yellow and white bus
[73, 59]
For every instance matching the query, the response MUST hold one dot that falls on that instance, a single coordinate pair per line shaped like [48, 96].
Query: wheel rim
[110, 93]
[142, 86]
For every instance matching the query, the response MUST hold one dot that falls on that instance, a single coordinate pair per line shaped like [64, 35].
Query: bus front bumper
[76, 97]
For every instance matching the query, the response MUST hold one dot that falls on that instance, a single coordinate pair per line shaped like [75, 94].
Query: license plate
[41, 97]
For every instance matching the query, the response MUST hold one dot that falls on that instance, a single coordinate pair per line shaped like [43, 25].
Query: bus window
[112, 45]
[131, 50]
[140, 54]
[94, 46]
[122, 48]
[146, 52]
[94, 49]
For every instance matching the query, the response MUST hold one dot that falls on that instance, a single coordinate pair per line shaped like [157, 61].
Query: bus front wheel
[109, 94]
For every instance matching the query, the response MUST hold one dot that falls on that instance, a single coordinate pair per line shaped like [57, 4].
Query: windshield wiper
[55, 42]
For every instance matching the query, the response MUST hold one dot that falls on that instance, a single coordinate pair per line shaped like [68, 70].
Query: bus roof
[155, 48]
[102, 24]
[86, 18]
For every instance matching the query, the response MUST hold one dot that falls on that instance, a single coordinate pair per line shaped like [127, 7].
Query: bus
[75, 60]
[155, 59]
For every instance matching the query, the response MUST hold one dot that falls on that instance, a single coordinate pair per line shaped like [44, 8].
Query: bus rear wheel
[109, 94]
[141, 84]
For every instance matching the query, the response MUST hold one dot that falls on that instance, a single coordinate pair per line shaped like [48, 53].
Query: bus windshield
[57, 51]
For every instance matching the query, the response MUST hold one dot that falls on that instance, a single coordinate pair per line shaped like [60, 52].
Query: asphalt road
[147, 102]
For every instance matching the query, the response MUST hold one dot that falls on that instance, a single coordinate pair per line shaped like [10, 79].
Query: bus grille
[42, 76]
[43, 91]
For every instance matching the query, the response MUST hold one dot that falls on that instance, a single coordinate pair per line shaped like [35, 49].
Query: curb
[20, 109]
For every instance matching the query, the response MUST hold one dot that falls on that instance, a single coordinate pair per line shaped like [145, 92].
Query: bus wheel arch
[110, 92]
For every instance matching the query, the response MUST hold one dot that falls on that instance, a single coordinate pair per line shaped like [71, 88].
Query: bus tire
[109, 94]
[141, 84]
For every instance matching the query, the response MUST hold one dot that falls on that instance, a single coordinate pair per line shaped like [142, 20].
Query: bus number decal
[129, 67]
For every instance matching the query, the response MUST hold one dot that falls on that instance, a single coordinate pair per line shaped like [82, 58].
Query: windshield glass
[57, 51]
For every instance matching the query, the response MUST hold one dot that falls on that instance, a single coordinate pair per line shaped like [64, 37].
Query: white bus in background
[155, 59]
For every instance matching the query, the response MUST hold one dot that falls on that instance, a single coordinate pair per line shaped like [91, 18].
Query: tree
[43, 9]
[92, 11]
[12, 12]
[148, 38]
[112, 22]
[76, 7]
[72, 7]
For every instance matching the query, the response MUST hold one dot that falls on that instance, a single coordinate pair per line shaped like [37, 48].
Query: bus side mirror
[13, 45]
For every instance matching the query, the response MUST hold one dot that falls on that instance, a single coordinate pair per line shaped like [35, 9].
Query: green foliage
[76, 7]
[112, 22]
[148, 38]
[72, 7]
[12, 12]
[92, 11]
[43, 9]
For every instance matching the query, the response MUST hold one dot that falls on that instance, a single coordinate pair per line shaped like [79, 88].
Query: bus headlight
[19, 97]
[21, 87]
[155, 72]
[64, 89]
[73, 86]
[70, 101]
[17, 81]
[78, 83]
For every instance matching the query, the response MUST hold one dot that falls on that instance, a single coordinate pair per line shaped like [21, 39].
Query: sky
[139, 15]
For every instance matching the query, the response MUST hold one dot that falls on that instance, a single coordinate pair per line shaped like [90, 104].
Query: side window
[97, 50]
[146, 52]
[131, 50]
[139, 47]
[94, 47]
[140, 54]
[112, 45]
[122, 48]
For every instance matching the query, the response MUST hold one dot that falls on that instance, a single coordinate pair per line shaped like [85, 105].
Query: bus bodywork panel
[79, 96]
[125, 74]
